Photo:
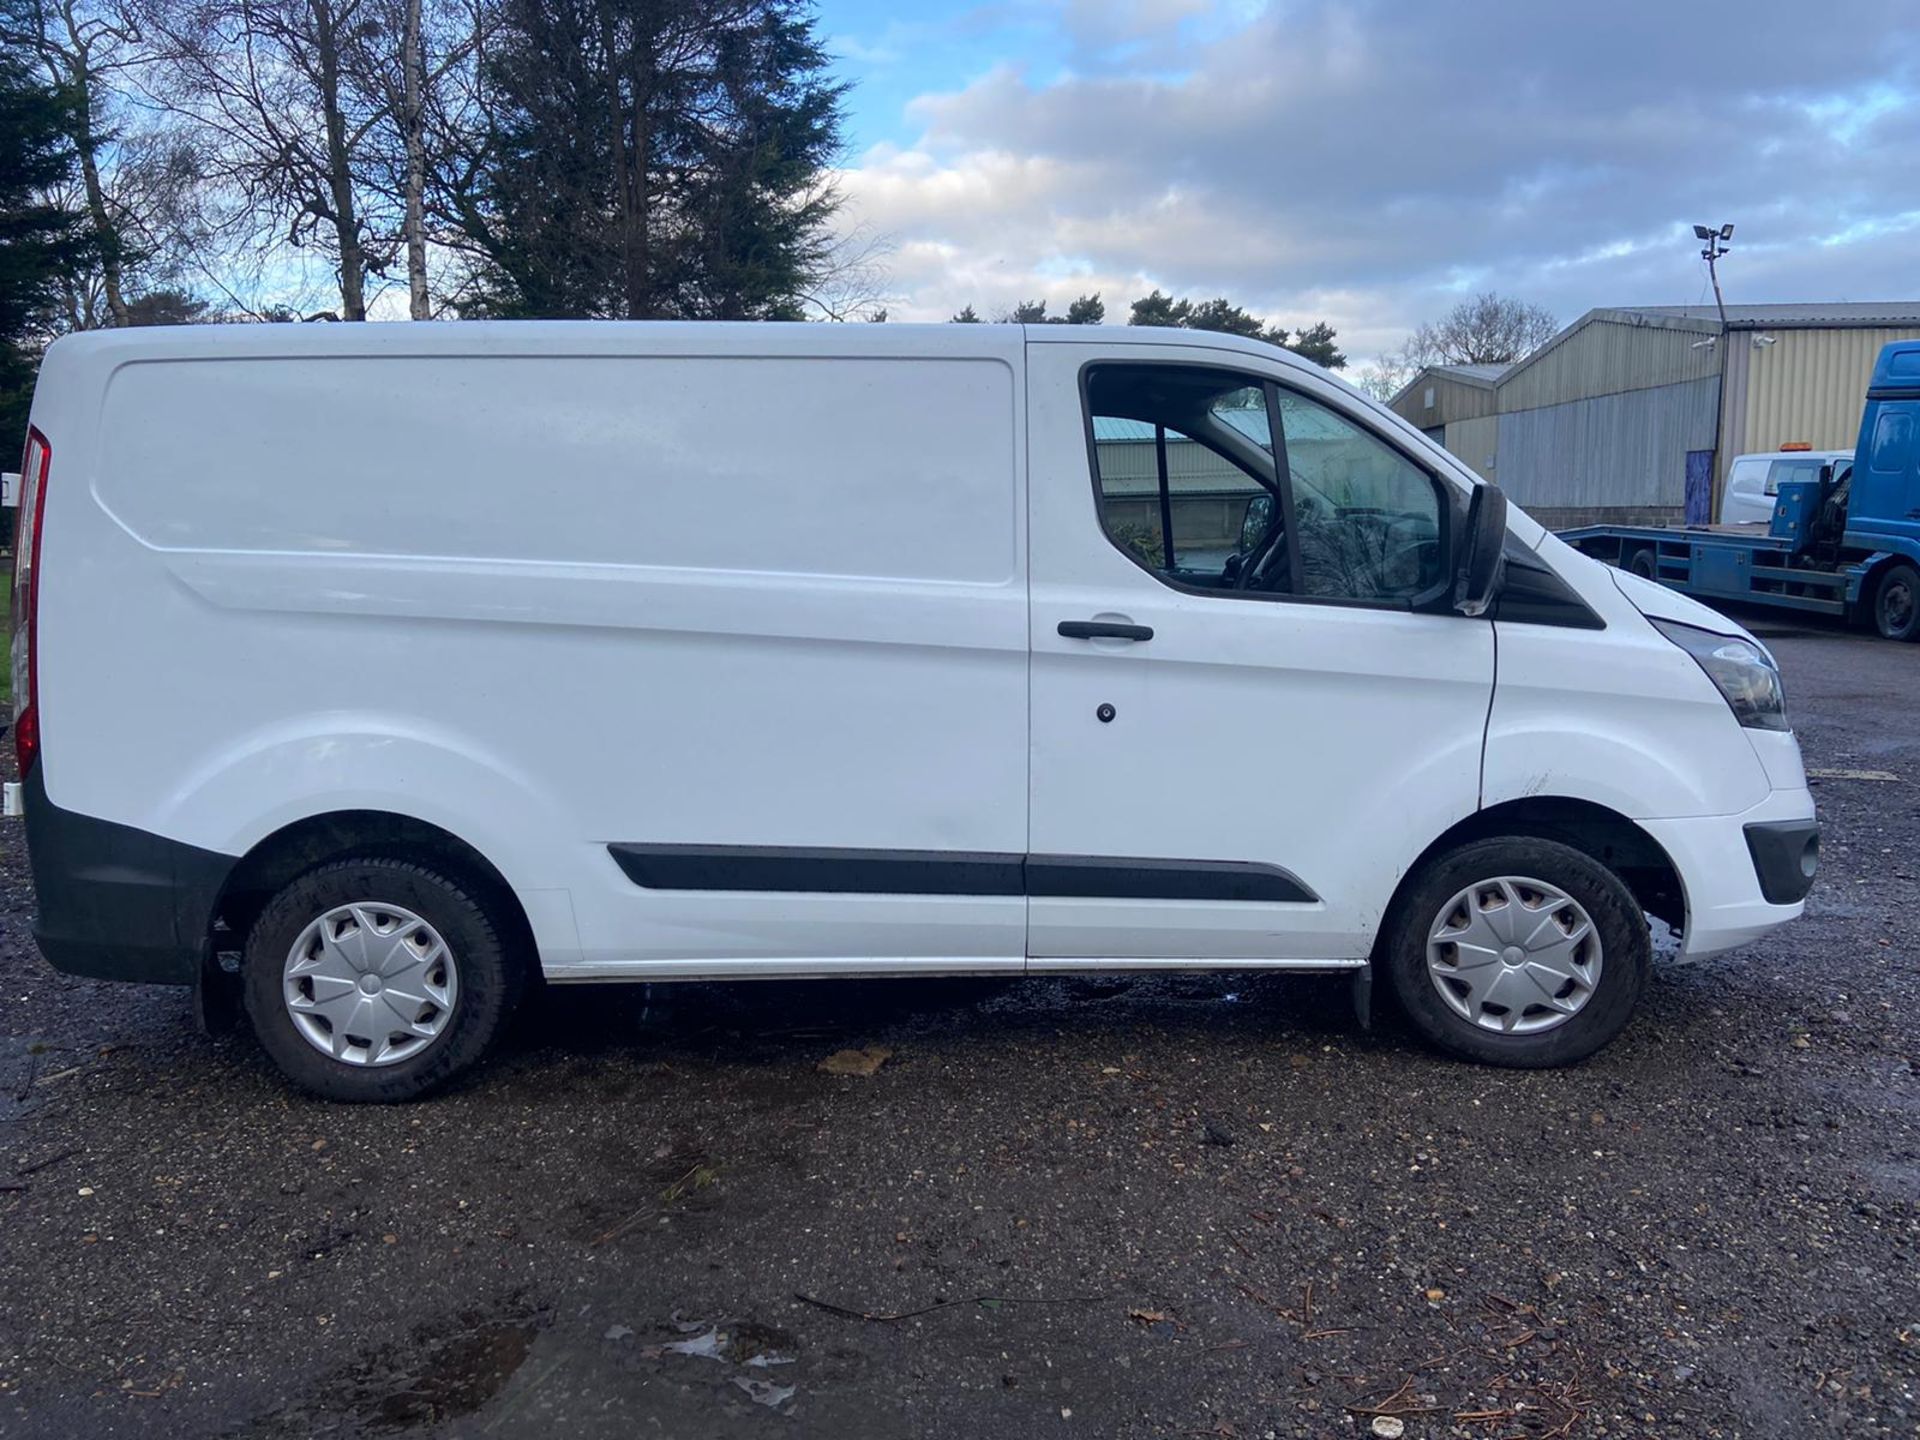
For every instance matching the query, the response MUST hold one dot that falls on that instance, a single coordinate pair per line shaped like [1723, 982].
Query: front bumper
[1738, 888]
[117, 903]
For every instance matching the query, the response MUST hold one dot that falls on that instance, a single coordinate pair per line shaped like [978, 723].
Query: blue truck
[1846, 544]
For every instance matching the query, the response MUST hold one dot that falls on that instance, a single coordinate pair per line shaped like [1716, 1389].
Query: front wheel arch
[1501, 1023]
[1605, 835]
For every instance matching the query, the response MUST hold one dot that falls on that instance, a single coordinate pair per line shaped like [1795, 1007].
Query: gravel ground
[1190, 1207]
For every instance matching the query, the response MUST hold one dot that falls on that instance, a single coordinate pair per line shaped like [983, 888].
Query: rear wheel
[1642, 564]
[379, 979]
[1896, 603]
[1517, 951]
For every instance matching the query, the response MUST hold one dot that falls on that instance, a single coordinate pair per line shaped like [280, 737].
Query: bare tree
[418, 62]
[459, 127]
[1489, 329]
[413, 137]
[1384, 376]
[83, 45]
[848, 278]
[287, 125]
[138, 180]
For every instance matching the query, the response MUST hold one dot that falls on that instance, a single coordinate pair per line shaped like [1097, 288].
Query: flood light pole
[1716, 246]
[1713, 246]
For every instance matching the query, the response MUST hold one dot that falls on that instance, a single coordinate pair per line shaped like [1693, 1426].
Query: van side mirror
[1480, 551]
[1255, 521]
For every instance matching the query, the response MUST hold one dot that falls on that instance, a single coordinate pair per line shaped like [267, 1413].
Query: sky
[1372, 162]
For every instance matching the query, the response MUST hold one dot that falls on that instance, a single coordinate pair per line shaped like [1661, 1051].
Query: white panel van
[377, 670]
[1753, 481]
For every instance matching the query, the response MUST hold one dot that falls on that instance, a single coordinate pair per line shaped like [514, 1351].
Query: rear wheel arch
[280, 858]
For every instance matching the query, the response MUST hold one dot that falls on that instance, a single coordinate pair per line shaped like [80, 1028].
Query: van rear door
[1244, 728]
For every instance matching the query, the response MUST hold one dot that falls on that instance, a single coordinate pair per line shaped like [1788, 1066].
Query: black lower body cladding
[118, 903]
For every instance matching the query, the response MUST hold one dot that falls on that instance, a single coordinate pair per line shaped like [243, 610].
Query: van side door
[804, 750]
[1252, 708]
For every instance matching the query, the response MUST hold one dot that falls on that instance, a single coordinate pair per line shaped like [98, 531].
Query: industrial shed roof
[1837, 315]
[1480, 377]
[1483, 375]
[1705, 319]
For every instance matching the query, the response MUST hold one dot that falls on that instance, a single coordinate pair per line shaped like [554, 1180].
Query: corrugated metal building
[1458, 406]
[1608, 419]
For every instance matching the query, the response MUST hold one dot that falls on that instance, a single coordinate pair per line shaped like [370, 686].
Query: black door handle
[1104, 630]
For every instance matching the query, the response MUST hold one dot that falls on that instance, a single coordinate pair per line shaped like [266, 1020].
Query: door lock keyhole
[1105, 714]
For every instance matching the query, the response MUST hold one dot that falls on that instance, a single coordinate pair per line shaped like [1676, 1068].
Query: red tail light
[26, 597]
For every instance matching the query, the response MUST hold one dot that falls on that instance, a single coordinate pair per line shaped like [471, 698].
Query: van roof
[1795, 455]
[631, 337]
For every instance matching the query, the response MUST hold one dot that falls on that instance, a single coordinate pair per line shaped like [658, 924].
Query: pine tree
[1087, 310]
[655, 158]
[38, 240]
[1315, 343]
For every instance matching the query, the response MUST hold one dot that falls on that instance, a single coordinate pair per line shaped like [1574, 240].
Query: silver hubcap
[370, 984]
[1514, 955]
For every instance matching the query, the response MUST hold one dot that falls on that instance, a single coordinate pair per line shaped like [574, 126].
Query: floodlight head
[1700, 232]
[1726, 231]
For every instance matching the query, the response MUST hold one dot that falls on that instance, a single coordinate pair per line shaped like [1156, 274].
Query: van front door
[1251, 708]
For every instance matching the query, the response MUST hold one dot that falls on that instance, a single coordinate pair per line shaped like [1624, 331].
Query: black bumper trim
[117, 903]
[1786, 856]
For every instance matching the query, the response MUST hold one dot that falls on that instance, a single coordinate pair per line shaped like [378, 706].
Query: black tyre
[380, 979]
[1642, 564]
[1517, 951]
[1896, 603]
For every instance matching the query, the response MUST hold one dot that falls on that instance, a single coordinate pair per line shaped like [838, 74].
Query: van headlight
[1742, 670]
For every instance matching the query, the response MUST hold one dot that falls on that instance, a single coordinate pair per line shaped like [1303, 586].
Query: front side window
[1193, 487]
[1783, 470]
[1892, 440]
[1184, 459]
[1367, 518]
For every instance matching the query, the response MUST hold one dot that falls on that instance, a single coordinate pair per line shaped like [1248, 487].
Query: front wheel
[1517, 951]
[1896, 603]
[379, 979]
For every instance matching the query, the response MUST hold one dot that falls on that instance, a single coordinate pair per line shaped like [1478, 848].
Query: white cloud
[1365, 162]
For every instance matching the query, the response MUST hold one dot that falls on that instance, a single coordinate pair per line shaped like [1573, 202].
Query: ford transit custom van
[378, 671]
